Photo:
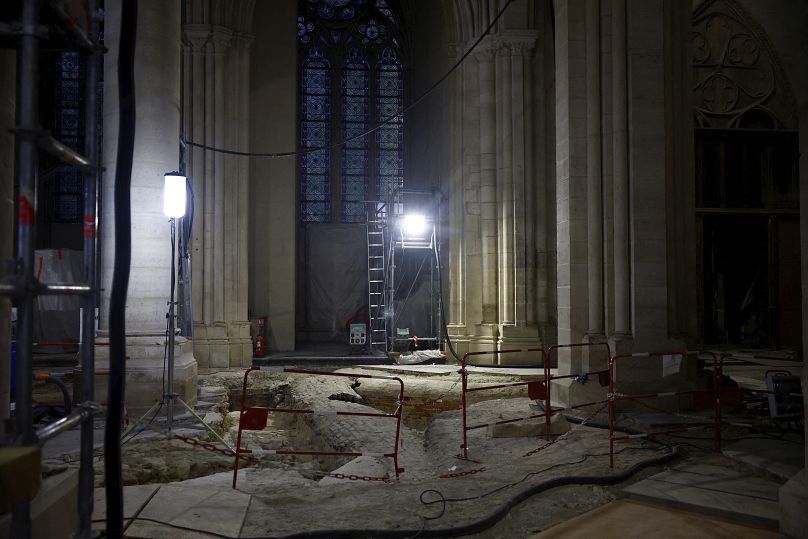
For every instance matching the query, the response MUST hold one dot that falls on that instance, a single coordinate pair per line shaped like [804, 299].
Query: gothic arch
[737, 74]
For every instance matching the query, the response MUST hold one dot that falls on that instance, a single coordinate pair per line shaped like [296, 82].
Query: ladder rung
[376, 281]
[375, 232]
[376, 293]
[375, 245]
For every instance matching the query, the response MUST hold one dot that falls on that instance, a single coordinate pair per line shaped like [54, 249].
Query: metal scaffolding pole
[27, 159]
[90, 301]
[23, 286]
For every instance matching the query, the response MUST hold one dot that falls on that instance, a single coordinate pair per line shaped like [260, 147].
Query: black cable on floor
[120, 277]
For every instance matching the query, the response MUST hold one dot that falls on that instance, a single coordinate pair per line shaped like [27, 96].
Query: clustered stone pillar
[156, 151]
[571, 180]
[622, 328]
[594, 174]
[216, 97]
[491, 231]
[611, 218]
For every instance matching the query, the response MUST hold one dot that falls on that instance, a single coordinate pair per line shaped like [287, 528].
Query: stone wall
[273, 182]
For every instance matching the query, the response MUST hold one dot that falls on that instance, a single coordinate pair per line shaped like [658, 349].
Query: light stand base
[167, 430]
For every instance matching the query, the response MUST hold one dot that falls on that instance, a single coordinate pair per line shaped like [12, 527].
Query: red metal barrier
[255, 418]
[613, 397]
[536, 390]
[602, 374]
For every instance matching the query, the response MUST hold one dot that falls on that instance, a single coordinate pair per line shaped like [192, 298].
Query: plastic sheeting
[56, 318]
[336, 284]
[336, 277]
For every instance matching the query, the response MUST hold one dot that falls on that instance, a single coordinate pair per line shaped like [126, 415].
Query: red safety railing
[537, 389]
[614, 397]
[255, 418]
[603, 375]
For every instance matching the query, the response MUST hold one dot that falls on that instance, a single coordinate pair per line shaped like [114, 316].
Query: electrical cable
[375, 128]
[440, 303]
[120, 276]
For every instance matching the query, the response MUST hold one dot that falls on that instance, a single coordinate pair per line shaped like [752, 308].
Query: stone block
[567, 392]
[239, 330]
[794, 506]
[53, 508]
[246, 355]
[20, 469]
[236, 352]
[144, 382]
[219, 354]
[202, 353]
[217, 330]
[200, 332]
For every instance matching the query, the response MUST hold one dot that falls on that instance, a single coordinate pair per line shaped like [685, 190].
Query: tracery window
[69, 129]
[351, 80]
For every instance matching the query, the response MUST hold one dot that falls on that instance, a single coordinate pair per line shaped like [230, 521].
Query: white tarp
[56, 318]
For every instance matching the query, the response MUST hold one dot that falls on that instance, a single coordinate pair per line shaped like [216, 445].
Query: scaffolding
[389, 244]
[22, 286]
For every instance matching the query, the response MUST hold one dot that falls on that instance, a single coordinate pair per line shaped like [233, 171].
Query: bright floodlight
[174, 195]
[413, 225]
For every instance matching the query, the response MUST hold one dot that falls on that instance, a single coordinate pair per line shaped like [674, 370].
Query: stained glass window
[351, 79]
[315, 130]
[69, 129]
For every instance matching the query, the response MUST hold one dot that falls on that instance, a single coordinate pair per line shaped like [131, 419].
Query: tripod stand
[169, 396]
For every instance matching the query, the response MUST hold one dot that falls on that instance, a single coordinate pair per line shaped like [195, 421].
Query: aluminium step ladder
[377, 311]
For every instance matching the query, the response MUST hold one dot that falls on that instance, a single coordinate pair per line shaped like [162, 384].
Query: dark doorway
[748, 234]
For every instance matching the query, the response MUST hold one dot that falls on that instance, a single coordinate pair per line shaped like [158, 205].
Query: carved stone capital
[196, 35]
[244, 40]
[516, 43]
[221, 38]
[485, 51]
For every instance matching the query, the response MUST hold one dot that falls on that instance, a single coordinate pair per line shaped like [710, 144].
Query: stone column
[647, 150]
[196, 35]
[594, 172]
[218, 116]
[571, 180]
[220, 38]
[595, 358]
[622, 328]
[156, 151]
[505, 204]
[488, 181]
[517, 328]
[455, 246]
[465, 200]
[7, 116]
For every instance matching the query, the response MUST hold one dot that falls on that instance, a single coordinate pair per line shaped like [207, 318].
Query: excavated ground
[431, 493]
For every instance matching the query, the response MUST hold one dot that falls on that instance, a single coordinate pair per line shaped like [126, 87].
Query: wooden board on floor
[628, 519]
